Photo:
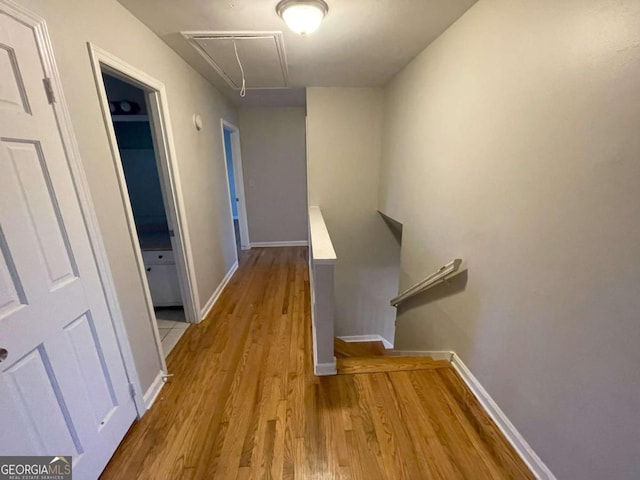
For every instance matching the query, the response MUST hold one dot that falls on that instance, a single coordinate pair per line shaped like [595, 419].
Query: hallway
[244, 403]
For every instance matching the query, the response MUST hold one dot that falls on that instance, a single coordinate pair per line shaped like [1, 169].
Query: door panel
[65, 389]
[94, 370]
[35, 389]
[25, 173]
[12, 93]
[11, 291]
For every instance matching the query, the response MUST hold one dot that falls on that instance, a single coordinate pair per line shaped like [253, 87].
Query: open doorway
[132, 128]
[135, 112]
[232, 186]
[235, 181]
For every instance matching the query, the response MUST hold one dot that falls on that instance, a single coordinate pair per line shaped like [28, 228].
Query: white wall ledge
[322, 258]
[322, 248]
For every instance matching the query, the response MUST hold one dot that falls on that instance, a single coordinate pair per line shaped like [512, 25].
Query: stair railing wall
[322, 259]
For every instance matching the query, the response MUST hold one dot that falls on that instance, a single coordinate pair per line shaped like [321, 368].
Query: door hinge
[132, 390]
[172, 233]
[48, 88]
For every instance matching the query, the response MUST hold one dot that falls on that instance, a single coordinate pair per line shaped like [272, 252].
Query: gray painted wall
[201, 160]
[274, 165]
[513, 141]
[344, 134]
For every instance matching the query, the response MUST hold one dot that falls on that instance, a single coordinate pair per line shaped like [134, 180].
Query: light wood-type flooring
[244, 403]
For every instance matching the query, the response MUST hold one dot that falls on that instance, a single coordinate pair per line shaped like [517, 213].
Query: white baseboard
[435, 354]
[154, 390]
[535, 464]
[322, 369]
[294, 243]
[314, 336]
[216, 294]
[367, 338]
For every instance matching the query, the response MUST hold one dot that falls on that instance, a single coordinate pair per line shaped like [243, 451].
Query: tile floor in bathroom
[171, 324]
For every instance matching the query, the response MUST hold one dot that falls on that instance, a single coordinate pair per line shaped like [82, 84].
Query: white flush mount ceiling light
[302, 16]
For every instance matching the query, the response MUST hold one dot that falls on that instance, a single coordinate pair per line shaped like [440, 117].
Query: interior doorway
[135, 112]
[232, 186]
[132, 128]
[235, 182]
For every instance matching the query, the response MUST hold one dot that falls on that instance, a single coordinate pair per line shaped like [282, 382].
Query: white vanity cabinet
[162, 277]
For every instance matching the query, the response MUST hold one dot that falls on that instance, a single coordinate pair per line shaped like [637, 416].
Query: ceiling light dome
[302, 16]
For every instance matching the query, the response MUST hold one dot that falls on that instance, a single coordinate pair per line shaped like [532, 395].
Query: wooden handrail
[438, 276]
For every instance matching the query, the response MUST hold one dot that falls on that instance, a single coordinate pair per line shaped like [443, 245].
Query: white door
[63, 386]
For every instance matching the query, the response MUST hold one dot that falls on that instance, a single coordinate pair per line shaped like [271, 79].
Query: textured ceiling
[360, 42]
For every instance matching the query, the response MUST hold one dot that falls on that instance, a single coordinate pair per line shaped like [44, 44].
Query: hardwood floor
[344, 349]
[353, 365]
[244, 403]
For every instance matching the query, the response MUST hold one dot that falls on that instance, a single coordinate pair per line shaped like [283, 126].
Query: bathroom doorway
[132, 128]
[135, 112]
[235, 181]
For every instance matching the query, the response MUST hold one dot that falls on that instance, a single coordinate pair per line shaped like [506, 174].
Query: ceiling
[361, 43]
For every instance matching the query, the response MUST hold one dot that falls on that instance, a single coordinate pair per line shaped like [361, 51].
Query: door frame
[82, 191]
[164, 149]
[238, 178]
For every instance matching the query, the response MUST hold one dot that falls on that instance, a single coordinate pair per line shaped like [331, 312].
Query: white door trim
[164, 148]
[236, 156]
[81, 185]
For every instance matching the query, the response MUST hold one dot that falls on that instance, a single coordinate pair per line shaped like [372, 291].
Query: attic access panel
[261, 53]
